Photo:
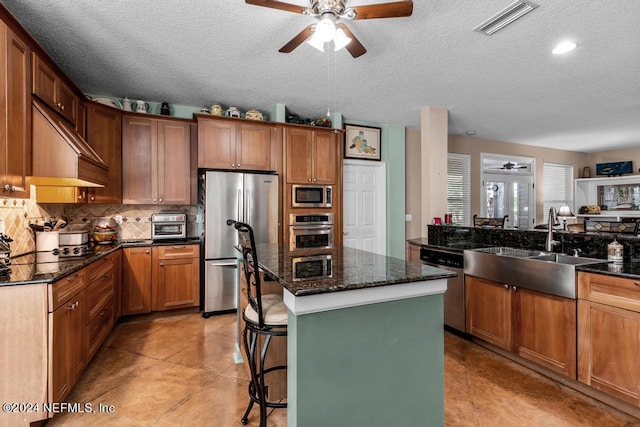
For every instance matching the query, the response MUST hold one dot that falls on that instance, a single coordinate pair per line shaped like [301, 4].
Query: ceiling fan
[329, 28]
[510, 166]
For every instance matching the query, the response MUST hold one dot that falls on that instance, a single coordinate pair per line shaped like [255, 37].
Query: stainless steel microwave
[311, 196]
[312, 267]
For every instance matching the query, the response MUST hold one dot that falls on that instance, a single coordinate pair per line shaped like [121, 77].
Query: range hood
[61, 157]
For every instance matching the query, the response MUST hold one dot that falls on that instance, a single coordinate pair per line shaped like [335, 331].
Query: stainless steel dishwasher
[454, 309]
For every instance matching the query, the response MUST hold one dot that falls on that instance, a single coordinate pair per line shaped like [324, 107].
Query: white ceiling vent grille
[505, 17]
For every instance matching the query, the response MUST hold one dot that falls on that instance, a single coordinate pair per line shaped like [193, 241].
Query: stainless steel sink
[512, 252]
[567, 259]
[538, 271]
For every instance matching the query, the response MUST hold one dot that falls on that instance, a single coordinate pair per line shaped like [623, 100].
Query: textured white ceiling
[505, 87]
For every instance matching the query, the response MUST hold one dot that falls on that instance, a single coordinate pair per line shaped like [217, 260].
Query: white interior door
[364, 212]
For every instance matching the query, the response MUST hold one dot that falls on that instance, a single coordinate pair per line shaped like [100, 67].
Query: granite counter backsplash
[591, 245]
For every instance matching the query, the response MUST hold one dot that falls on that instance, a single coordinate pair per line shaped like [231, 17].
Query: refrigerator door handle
[247, 203]
[232, 264]
[239, 216]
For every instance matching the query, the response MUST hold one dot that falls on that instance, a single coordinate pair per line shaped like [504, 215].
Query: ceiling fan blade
[354, 47]
[297, 40]
[275, 4]
[395, 9]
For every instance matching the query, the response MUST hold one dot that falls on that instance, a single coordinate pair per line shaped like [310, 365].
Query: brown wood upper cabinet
[50, 87]
[104, 135]
[15, 114]
[235, 144]
[609, 335]
[156, 161]
[536, 326]
[313, 156]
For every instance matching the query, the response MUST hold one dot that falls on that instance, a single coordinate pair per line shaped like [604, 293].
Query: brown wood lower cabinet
[136, 280]
[176, 277]
[536, 326]
[609, 335]
[160, 278]
[67, 346]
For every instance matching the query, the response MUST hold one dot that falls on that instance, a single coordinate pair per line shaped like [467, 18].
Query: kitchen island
[365, 340]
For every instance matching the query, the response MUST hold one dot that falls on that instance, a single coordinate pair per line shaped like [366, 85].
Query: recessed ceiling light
[470, 132]
[564, 47]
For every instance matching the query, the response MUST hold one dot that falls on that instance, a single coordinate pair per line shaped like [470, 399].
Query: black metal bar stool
[264, 316]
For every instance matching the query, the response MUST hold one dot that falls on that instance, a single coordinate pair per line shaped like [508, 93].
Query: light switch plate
[118, 219]
[198, 218]
[408, 217]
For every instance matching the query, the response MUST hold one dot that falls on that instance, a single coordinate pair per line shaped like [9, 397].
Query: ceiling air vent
[505, 17]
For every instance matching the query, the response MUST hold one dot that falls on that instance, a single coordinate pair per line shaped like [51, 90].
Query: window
[458, 188]
[558, 187]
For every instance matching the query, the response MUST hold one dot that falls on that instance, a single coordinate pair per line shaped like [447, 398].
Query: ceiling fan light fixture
[340, 40]
[316, 42]
[326, 28]
[564, 47]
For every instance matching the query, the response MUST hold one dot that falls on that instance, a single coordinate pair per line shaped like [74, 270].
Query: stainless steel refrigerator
[246, 197]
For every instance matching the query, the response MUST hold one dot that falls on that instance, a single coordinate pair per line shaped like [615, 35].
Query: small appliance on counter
[168, 225]
[74, 243]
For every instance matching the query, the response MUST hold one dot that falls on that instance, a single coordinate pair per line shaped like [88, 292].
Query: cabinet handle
[636, 283]
[69, 279]
[62, 107]
[184, 246]
[233, 165]
[514, 289]
[162, 264]
[6, 187]
[93, 198]
[103, 278]
[146, 251]
[154, 201]
[238, 165]
[506, 286]
[102, 313]
[314, 180]
[309, 179]
[160, 200]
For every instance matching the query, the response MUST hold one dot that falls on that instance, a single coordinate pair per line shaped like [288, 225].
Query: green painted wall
[375, 365]
[393, 154]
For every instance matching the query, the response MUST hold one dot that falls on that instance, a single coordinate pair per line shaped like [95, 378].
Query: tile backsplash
[136, 219]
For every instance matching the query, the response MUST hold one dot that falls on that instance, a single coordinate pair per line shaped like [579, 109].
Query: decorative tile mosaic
[17, 214]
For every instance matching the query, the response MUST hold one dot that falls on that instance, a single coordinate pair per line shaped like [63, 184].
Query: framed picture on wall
[361, 142]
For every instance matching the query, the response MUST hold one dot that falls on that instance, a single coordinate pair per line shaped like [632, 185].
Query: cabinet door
[216, 144]
[104, 134]
[413, 253]
[16, 143]
[326, 157]
[139, 161]
[174, 163]
[44, 82]
[66, 101]
[545, 330]
[176, 283]
[608, 348]
[68, 349]
[117, 284]
[253, 146]
[298, 147]
[488, 310]
[136, 280]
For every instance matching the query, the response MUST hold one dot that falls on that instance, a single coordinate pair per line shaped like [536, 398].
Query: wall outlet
[118, 219]
[408, 217]
[199, 219]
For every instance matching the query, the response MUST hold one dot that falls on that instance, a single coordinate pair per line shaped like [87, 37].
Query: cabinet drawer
[63, 289]
[610, 290]
[99, 327]
[99, 268]
[99, 293]
[178, 251]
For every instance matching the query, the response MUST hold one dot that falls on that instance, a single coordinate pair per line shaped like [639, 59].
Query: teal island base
[378, 364]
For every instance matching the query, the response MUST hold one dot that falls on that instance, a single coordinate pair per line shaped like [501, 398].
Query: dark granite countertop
[351, 268]
[37, 267]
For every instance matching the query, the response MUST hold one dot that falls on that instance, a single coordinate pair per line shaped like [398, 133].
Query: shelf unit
[586, 193]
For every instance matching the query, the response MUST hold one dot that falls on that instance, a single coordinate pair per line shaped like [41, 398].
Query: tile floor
[178, 371]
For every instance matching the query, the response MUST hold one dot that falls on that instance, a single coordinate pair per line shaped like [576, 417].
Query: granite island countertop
[351, 269]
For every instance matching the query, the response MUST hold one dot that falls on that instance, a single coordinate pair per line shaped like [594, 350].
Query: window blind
[558, 187]
[458, 188]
